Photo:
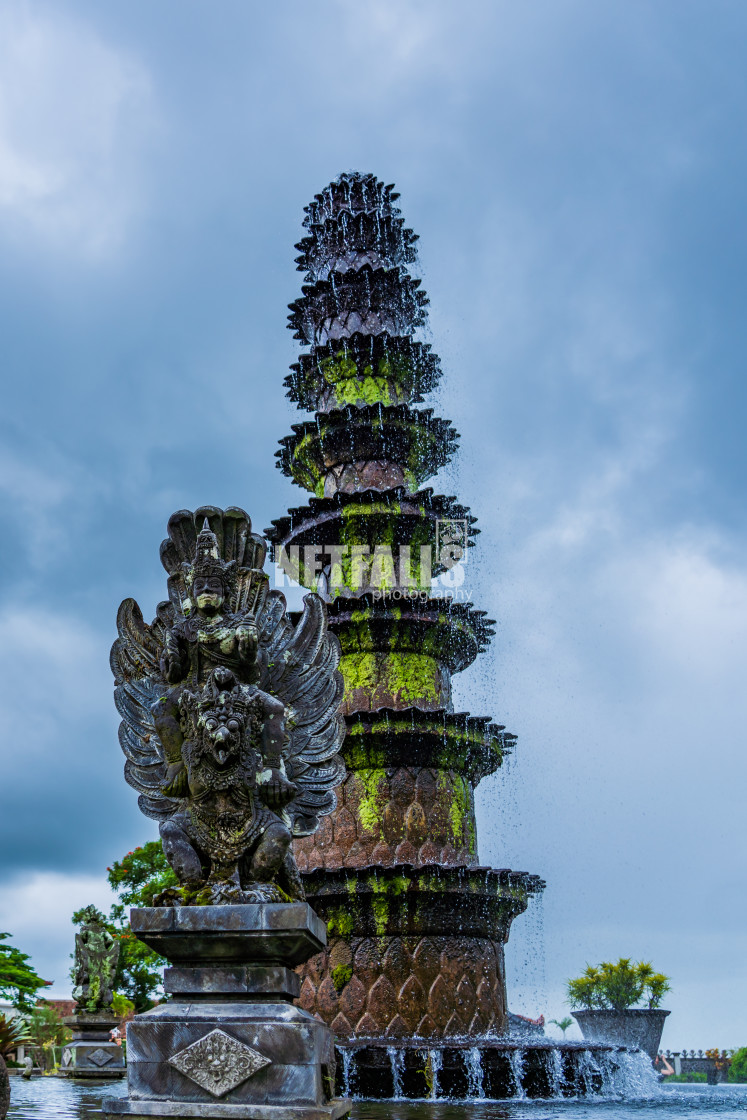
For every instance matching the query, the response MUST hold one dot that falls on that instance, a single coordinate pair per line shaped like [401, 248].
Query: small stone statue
[231, 722]
[96, 956]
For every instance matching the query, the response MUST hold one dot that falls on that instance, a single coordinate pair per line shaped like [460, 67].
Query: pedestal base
[91, 1053]
[144, 1110]
[229, 1042]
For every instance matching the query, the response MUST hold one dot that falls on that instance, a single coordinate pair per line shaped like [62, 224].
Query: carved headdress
[208, 562]
[298, 663]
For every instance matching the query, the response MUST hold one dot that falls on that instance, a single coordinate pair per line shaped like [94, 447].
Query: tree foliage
[46, 1030]
[139, 876]
[618, 986]
[738, 1068]
[13, 1033]
[18, 980]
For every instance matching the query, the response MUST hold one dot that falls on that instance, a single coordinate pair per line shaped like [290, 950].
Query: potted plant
[606, 996]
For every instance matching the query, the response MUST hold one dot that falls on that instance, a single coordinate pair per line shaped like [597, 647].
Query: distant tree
[139, 876]
[738, 1070]
[564, 1024]
[18, 980]
[46, 1030]
[123, 1007]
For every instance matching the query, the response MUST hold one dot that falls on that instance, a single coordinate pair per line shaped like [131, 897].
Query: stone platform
[91, 1053]
[229, 1042]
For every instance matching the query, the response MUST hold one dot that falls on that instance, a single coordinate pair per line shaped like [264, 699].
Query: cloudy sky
[576, 172]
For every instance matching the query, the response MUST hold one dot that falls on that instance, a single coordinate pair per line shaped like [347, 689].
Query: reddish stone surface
[418, 820]
[431, 987]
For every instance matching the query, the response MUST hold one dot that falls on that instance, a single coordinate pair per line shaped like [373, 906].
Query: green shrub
[618, 986]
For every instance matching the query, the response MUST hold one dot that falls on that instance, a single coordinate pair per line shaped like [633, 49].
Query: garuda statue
[231, 719]
[96, 957]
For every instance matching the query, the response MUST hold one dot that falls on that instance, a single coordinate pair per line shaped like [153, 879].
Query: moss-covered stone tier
[367, 447]
[363, 370]
[372, 527]
[416, 927]
[413, 952]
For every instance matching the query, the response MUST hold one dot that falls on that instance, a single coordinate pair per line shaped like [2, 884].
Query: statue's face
[222, 732]
[208, 593]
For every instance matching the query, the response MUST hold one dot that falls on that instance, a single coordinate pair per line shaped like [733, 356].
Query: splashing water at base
[435, 1062]
[516, 1058]
[347, 1059]
[397, 1063]
[628, 1075]
[476, 1086]
[557, 1073]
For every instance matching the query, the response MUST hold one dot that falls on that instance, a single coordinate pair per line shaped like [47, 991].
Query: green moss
[410, 677]
[371, 806]
[340, 976]
[341, 923]
[461, 814]
[391, 381]
[380, 911]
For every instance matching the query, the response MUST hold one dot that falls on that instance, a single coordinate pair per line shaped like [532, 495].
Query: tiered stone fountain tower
[416, 926]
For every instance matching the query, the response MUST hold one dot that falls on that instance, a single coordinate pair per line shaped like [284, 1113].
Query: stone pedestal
[92, 1054]
[229, 1042]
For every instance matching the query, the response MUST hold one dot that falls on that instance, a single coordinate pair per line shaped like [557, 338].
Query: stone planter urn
[638, 1026]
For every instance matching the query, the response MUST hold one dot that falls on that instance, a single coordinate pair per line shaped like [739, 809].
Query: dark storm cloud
[575, 172]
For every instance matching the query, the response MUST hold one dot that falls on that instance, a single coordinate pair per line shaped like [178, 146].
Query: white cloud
[74, 114]
[36, 910]
[620, 664]
[55, 687]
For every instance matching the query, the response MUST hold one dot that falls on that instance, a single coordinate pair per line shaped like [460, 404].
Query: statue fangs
[230, 715]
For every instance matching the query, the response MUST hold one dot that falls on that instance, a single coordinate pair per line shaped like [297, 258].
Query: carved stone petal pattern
[218, 1062]
[100, 1057]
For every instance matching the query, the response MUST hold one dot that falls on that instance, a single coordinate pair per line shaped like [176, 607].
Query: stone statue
[231, 722]
[96, 956]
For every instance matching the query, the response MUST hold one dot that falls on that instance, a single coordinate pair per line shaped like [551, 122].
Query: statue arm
[175, 657]
[273, 735]
[276, 789]
[168, 726]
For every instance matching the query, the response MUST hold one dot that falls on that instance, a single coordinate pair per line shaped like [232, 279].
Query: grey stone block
[177, 1110]
[298, 1044]
[263, 980]
[277, 932]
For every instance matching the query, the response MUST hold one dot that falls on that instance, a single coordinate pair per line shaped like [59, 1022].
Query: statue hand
[170, 664]
[246, 641]
[275, 788]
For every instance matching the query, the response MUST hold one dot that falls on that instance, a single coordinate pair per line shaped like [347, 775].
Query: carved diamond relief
[100, 1057]
[67, 1058]
[218, 1062]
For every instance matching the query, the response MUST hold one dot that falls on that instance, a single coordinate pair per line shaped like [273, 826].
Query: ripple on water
[56, 1098]
[53, 1098]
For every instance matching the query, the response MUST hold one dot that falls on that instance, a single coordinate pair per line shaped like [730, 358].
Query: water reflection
[51, 1098]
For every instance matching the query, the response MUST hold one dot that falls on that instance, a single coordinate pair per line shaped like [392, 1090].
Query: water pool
[52, 1098]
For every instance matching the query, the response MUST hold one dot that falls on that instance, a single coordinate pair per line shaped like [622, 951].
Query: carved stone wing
[138, 684]
[299, 666]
